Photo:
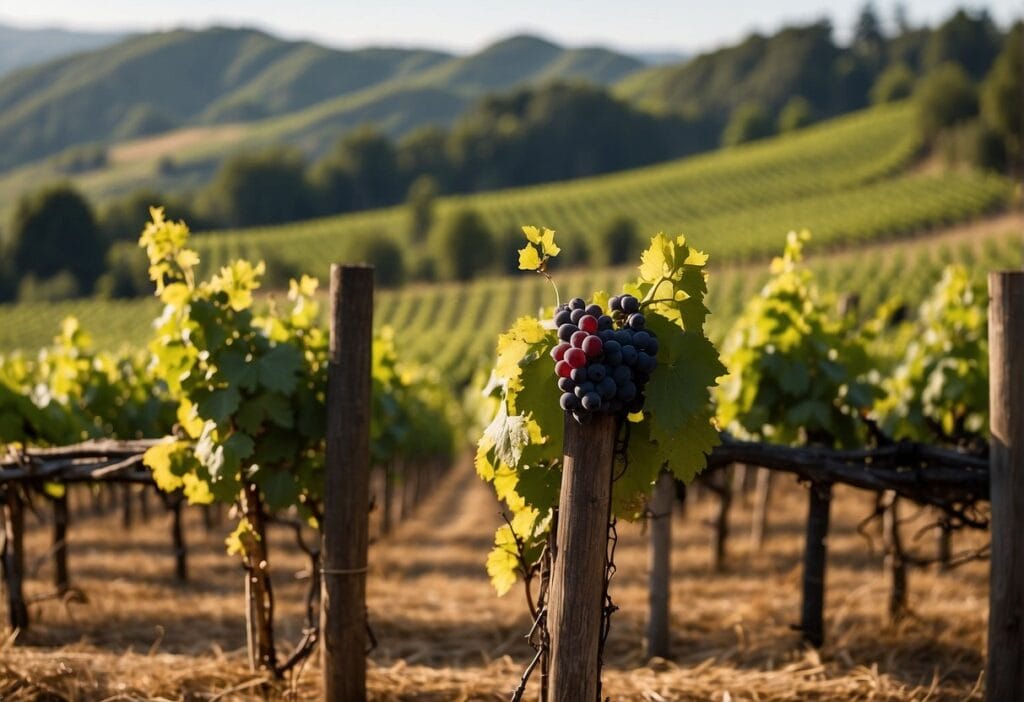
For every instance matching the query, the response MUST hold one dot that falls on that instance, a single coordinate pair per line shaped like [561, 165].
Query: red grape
[588, 323]
[592, 346]
[576, 358]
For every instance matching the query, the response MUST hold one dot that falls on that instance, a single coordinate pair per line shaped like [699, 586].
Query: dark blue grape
[566, 385]
[611, 345]
[568, 401]
[615, 304]
[629, 304]
[604, 322]
[627, 391]
[629, 355]
[583, 388]
[621, 374]
[606, 388]
[606, 335]
[591, 401]
[645, 363]
[566, 331]
[580, 375]
[563, 317]
[612, 358]
[596, 372]
[594, 310]
[575, 316]
[652, 346]
[636, 321]
[577, 303]
[642, 340]
[623, 336]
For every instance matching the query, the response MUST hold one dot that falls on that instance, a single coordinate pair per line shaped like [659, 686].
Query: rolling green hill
[845, 179]
[158, 82]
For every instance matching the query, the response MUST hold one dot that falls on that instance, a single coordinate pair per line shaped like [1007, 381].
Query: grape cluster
[602, 361]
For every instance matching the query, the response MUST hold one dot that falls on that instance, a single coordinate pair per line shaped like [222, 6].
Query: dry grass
[444, 636]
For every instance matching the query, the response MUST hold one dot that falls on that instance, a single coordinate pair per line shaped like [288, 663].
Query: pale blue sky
[468, 24]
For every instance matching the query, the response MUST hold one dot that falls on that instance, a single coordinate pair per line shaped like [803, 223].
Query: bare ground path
[443, 635]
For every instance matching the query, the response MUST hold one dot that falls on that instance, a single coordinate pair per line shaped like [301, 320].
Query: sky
[464, 25]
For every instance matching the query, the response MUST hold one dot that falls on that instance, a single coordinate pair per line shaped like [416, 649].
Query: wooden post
[720, 535]
[815, 551]
[576, 605]
[259, 591]
[347, 486]
[658, 597]
[60, 542]
[14, 558]
[895, 566]
[762, 498]
[126, 506]
[1004, 674]
[178, 537]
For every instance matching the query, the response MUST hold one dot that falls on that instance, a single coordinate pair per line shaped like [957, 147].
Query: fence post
[658, 598]
[14, 557]
[581, 552]
[60, 542]
[815, 551]
[1004, 675]
[347, 486]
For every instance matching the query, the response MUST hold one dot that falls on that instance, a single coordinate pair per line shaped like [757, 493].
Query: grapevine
[520, 451]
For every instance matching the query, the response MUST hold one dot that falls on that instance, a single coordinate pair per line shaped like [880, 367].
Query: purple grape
[596, 372]
[594, 310]
[629, 304]
[575, 316]
[566, 331]
[566, 385]
[568, 401]
[580, 375]
[591, 401]
[577, 303]
[563, 317]
[636, 321]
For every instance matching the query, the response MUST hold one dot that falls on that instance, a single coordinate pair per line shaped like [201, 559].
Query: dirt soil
[443, 635]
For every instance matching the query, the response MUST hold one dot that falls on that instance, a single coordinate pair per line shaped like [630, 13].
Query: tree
[868, 41]
[619, 241]
[54, 230]
[797, 114]
[384, 254]
[463, 245]
[360, 172]
[945, 97]
[123, 220]
[968, 39]
[420, 202]
[748, 122]
[894, 83]
[267, 187]
[1002, 95]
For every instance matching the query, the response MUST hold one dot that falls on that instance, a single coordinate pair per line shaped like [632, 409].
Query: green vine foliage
[251, 388]
[68, 393]
[520, 451]
[939, 388]
[797, 371]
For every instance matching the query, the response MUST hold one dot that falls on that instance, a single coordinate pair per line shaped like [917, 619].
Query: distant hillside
[21, 47]
[158, 82]
[796, 61]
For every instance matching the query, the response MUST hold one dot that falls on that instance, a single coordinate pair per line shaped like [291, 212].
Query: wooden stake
[815, 552]
[895, 566]
[660, 555]
[1004, 673]
[14, 558]
[347, 486]
[576, 604]
[60, 542]
[762, 500]
[178, 538]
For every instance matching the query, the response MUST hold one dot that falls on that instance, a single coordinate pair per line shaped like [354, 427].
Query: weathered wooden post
[815, 552]
[658, 598]
[576, 604]
[347, 486]
[762, 498]
[894, 564]
[14, 557]
[1004, 674]
[60, 542]
[178, 539]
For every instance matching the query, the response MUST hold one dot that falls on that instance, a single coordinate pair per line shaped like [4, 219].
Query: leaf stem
[558, 298]
[650, 293]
